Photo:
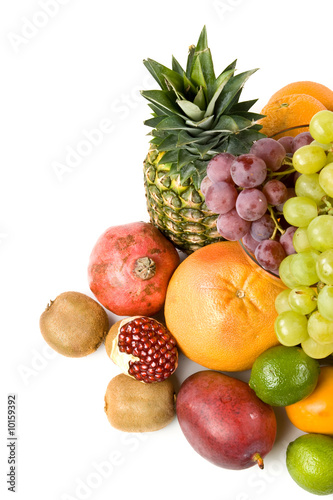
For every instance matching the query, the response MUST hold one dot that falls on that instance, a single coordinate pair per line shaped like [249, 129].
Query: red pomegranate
[143, 348]
[130, 267]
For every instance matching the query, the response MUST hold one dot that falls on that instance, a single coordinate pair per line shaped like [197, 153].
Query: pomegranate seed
[149, 340]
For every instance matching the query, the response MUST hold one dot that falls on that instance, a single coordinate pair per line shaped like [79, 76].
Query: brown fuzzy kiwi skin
[74, 324]
[132, 406]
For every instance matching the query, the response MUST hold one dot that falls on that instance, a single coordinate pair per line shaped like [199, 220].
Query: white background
[82, 67]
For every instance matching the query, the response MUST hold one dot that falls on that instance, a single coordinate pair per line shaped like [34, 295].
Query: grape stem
[277, 225]
[326, 210]
[288, 162]
[288, 129]
[285, 172]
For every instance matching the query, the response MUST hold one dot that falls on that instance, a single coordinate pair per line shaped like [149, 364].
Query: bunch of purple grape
[249, 191]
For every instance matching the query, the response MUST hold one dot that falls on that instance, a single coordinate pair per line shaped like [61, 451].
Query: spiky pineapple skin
[177, 209]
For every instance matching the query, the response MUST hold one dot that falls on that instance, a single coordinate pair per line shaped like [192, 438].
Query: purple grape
[270, 151]
[221, 197]
[250, 243]
[231, 226]
[263, 228]
[248, 171]
[286, 240]
[287, 143]
[251, 204]
[275, 192]
[290, 194]
[270, 254]
[205, 183]
[302, 139]
[218, 169]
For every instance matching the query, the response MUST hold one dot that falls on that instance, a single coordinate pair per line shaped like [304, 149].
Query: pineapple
[195, 117]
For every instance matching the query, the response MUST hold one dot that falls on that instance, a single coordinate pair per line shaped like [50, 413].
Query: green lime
[284, 375]
[309, 462]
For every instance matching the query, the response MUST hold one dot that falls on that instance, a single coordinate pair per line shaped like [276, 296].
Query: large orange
[289, 115]
[315, 413]
[220, 307]
[314, 89]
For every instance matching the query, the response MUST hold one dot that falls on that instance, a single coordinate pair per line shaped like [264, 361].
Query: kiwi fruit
[133, 406]
[74, 324]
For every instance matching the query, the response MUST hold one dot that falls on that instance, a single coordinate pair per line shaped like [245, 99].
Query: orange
[315, 413]
[314, 89]
[220, 307]
[289, 115]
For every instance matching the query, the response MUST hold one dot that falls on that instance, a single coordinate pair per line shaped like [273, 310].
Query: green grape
[316, 350]
[320, 233]
[325, 302]
[303, 267]
[281, 302]
[309, 159]
[321, 126]
[303, 299]
[320, 329]
[285, 272]
[301, 240]
[325, 147]
[324, 267]
[291, 328]
[308, 185]
[300, 210]
[326, 179]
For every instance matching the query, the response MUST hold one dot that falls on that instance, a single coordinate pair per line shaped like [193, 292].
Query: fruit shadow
[283, 433]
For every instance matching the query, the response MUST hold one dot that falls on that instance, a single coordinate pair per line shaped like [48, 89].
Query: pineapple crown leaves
[197, 115]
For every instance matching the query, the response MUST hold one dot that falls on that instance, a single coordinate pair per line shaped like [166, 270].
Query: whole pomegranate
[130, 267]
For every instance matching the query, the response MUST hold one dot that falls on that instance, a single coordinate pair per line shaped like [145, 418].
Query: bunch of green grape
[305, 309]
